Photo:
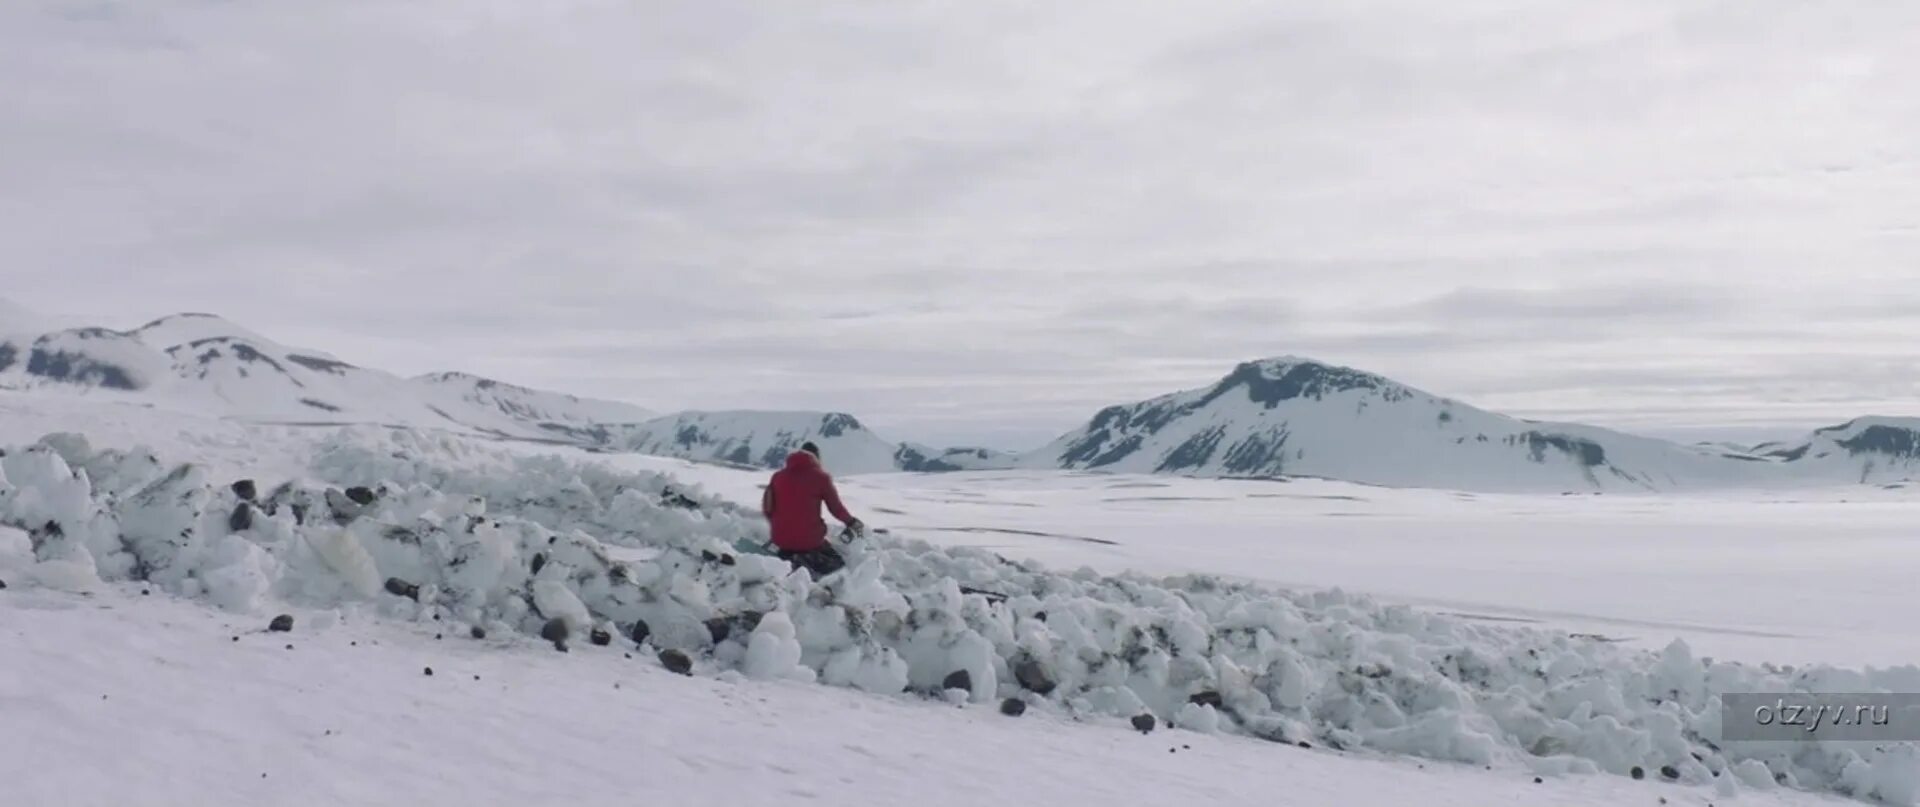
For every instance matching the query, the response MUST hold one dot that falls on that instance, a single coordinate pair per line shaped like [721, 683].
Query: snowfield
[1085, 599]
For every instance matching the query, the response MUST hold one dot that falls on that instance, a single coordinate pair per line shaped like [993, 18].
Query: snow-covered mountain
[206, 363]
[1296, 416]
[759, 439]
[1868, 450]
[1284, 416]
[209, 364]
[922, 457]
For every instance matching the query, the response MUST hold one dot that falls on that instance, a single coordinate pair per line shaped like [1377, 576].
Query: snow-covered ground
[117, 699]
[1203, 602]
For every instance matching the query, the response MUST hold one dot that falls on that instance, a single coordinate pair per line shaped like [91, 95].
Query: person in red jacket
[792, 506]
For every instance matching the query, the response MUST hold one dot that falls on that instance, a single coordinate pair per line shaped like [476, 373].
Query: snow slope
[206, 363]
[348, 716]
[1293, 416]
[465, 535]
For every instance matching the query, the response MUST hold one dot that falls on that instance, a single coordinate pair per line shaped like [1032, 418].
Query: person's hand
[858, 528]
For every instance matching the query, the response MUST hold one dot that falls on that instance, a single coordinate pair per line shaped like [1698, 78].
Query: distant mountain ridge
[207, 363]
[1295, 416]
[1283, 416]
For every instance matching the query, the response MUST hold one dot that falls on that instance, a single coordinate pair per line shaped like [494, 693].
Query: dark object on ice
[746, 621]
[145, 592]
[429, 672]
[360, 495]
[1670, 772]
[281, 623]
[1539, 781]
[289, 647]
[402, 588]
[345, 510]
[958, 679]
[674, 498]
[245, 490]
[1638, 772]
[1040, 615]
[478, 632]
[719, 628]
[641, 630]
[820, 562]
[299, 514]
[600, 637]
[676, 661]
[1032, 675]
[727, 560]
[242, 518]
[1208, 698]
[539, 561]
[3, 584]
[1306, 745]
[992, 596]
[556, 631]
[1143, 723]
[1013, 707]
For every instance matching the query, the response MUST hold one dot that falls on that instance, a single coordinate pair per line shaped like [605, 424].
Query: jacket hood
[801, 459]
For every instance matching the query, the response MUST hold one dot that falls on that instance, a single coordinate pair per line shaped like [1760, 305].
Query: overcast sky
[979, 221]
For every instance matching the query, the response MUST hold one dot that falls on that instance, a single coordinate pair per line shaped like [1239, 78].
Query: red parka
[792, 504]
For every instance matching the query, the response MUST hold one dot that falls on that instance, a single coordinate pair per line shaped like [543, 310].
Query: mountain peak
[1273, 380]
[174, 330]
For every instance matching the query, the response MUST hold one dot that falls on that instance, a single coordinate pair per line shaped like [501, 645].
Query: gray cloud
[981, 222]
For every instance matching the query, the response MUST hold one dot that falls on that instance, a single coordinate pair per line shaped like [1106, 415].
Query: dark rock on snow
[1670, 772]
[1032, 675]
[402, 588]
[539, 561]
[556, 631]
[281, 624]
[242, 518]
[958, 679]
[1143, 723]
[245, 490]
[1208, 698]
[344, 510]
[719, 628]
[676, 661]
[600, 637]
[1639, 772]
[1013, 707]
[478, 632]
[641, 630]
[360, 495]
[429, 672]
